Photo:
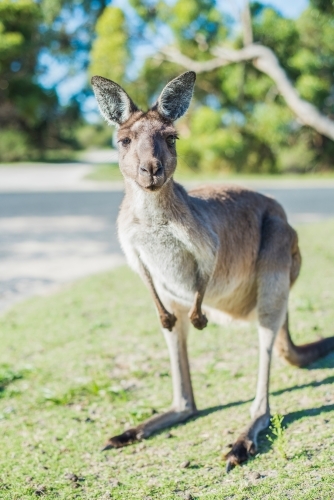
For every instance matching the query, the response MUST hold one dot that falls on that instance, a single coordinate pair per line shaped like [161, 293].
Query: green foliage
[312, 88]
[276, 32]
[93, 136]
[278, 435]
[213, 144]
[30, 117]
[18, 44]
[18, 23]
[197, 25]
[324, 5]
[29, 29]
[298, 158]
[14, 145]
[272, 122]
[109, 55]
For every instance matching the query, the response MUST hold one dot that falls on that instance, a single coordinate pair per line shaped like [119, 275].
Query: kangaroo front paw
[168, 320]
[239, 453]
[199, 320]
[127, 437]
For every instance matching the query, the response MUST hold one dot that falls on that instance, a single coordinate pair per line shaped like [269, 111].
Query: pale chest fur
[167, 253]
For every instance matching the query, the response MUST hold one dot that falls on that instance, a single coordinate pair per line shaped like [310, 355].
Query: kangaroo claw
[127, 437]
[229, 466]
[239, 453]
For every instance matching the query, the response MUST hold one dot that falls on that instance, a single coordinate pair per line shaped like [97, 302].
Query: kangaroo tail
[301, 355]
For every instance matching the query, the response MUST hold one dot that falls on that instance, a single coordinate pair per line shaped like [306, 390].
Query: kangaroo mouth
[153, 185]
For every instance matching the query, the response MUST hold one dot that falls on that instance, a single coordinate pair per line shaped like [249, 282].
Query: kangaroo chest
[170, 262]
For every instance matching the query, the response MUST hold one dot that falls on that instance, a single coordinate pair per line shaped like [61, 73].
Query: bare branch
[173, 55]
[265, 61]
[246, 21]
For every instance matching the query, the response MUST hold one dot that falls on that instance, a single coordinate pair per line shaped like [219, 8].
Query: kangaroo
[210, 253]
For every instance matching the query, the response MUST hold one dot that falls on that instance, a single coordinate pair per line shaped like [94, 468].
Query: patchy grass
[80, 366]
[105, 172]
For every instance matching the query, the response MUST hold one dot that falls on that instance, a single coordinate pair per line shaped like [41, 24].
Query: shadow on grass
[322, 363]
[213, 409]
[315, 383]
[307, 412]
[264, 444]
[207, 411]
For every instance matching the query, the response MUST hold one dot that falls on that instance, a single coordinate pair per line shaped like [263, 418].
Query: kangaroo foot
[246, 444]
[153, 424]
[127, 437]
[198, 319]
[240, 452]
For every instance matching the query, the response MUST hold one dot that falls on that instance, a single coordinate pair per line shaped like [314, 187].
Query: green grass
[110, 172]
[82, 365]
[106, 172]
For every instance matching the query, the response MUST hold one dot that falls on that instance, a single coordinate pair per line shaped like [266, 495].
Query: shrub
[90, 136]
[14, 146]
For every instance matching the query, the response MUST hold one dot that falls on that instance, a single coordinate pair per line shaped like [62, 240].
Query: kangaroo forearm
[196, 316]
[167, 319]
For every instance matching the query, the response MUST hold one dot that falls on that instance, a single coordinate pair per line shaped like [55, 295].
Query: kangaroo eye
[125, 141]
[171, 140]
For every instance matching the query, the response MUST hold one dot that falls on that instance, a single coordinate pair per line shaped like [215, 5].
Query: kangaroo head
[146, 140]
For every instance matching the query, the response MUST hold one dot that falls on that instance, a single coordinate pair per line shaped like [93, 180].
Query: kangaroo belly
[233, 295]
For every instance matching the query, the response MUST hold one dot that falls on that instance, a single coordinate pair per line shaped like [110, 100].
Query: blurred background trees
[32, 119]
[237, 122]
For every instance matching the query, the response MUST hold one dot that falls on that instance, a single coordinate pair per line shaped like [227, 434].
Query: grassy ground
[110, 172]
[79, 366]
[106, 172]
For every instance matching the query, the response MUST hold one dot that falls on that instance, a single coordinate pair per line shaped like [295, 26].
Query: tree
[31, 117]
[264, 95]
[109, 50]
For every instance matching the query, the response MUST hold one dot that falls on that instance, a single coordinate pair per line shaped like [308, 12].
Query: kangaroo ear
[114, 103]
[175, 98]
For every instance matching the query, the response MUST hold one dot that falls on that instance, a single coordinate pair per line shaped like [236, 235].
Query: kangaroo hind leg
[273, 294]
[183, 405]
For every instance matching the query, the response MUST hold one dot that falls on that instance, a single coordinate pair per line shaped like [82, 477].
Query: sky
[69, 86]
[289, 8]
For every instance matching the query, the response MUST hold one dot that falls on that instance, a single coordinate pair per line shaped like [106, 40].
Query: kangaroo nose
[151, 169]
